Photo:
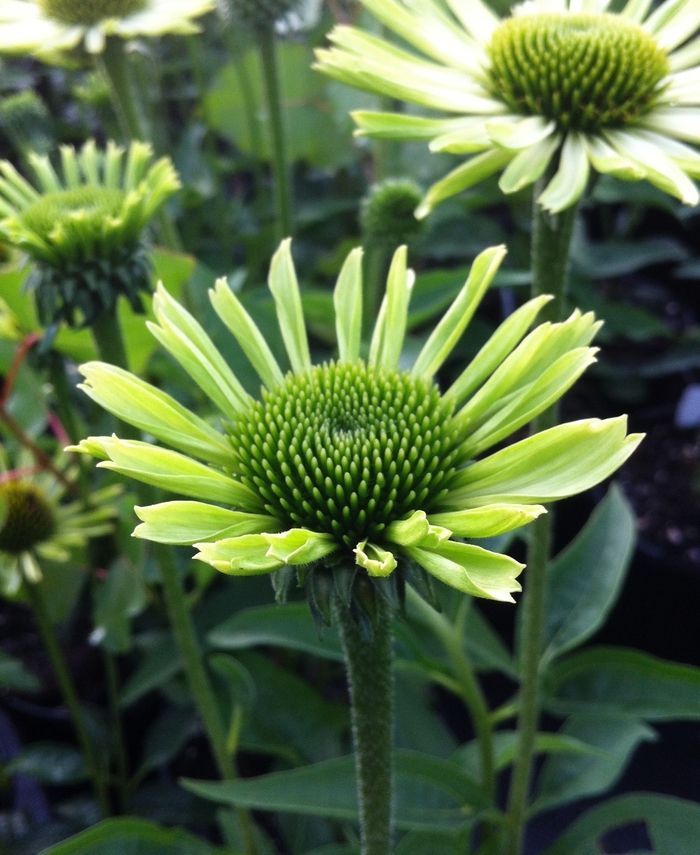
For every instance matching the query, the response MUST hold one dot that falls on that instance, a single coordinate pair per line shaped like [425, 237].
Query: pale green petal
[228, 307]
[10, 574]
[475, 169]
[464, 140]
[521, 133]
[496, 349]
[471, 569]
[46, 175]
[390, 327]
[300, 546]
[416, 531]
[529, 165]
[239, 556]
[183, 337]
[531, 400]
[375, 560]
[191, 522]
[151, 410]
[685, 57]
[680, 122]
[489, 520]
[475, 17]
[400, 126]
[636, 10]
[95, 446]
[347, 302]
[571, 178]
[659, 169]
[285, 290]
[453, 323]
[548, 466]
[606, 160]
[174, 472]
[673, 22]
[685, 157]
[682, 88]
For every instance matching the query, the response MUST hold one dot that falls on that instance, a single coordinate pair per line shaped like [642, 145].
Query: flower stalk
[551, 243]
[368, 663]
[70, 695]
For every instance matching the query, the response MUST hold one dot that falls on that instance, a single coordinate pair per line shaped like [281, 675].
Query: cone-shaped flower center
[585, 72]
[87, 12]
[28, 520]
[347, 449]
[83, 211]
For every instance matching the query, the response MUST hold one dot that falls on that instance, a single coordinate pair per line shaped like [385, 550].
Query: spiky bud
[387, 212]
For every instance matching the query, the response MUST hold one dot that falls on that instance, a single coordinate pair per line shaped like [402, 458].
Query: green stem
[115, 69]
[198, 679]
[450, 637]
[116, 729]
[368, 666]
[551, 241]
[280, 164]
[70, 696]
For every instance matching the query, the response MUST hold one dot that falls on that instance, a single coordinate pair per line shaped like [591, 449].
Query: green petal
[228, 307]
[467, 175]
[636, 10]
[607, 161]
[471, 569]
[239, 556]
[399, 126]
[520, 134]
[496, 349]
[375, 560]
[174, 472]
[151, 410]
[528, 165]
[467, 139]
[571, 178]
[300, 546]
[416, 531]
[551, 465]
[453, 323]
[347, 301]
[390, 328]
[285, 290]
[191, 522]
[183, 337]
[680, 122]
[488, 521]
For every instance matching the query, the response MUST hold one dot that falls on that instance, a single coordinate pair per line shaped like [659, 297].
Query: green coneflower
[359, 462]
[49, 27]
[561, 82]
[36, 523]
[83, 229]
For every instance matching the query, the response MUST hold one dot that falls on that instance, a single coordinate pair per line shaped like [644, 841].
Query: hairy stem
[368, 665]
[70, 695]
[551, 241]
[280, 163]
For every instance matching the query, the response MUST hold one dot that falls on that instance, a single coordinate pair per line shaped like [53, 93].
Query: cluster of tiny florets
[388, 211]
[88, 12]
[347, 449]
[28, 518]
[585, 72]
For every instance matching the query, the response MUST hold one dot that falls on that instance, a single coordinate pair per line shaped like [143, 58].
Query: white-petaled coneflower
[83, 228]
[558, 87]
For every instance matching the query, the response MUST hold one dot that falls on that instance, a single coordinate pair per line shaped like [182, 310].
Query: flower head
[83, 230]
[36, 523]
[558, 87]
[358, 462]
[47, 28]
[386, 214]
[256, 16]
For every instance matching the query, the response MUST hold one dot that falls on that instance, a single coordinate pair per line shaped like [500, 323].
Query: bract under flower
[358, 462]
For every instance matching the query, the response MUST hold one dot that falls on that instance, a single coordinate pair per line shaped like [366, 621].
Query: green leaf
[597, 260]
[673, 825]
[134, 837]
[161, 662]
[567, 777]
[584, 580]
[624, 682]
[429, 793]
[13, 675]
[168, 734]
[121, 597]
[288, 626]
[49, 763]
[434, 842]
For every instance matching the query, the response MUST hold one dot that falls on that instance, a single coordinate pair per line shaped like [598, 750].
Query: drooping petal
[521, 133]
[606, 160]
[191, 522]
[228, 307]
[571, 178]
[529, 164]
[680, 122]
[285, 290]
[239, 556]
[489, 520]
[300, 546]
[470, 569]
[453, 323]
[347, 302]
[417, 530]
[375, 560]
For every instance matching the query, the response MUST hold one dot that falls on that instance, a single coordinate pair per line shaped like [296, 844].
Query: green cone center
[78, 213]
[347, 449]
[585, 72]
[28, 518]
[87, 12]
